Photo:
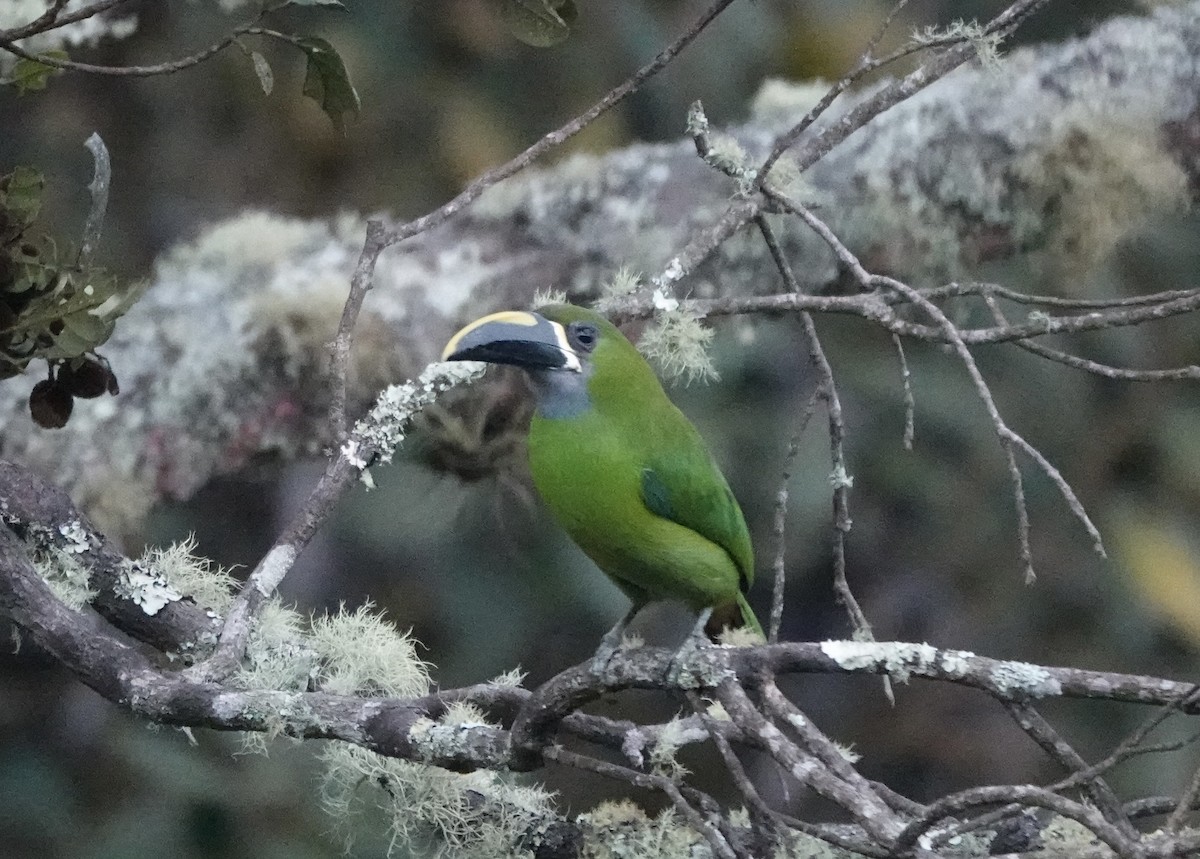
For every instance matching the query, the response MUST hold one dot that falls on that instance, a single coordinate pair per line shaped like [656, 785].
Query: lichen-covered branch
[520, 729]
[1057, 153]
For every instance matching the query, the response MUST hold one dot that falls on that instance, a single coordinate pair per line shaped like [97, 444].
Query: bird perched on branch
[620, 467]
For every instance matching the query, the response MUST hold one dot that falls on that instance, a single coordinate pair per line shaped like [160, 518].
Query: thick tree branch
[210, 379]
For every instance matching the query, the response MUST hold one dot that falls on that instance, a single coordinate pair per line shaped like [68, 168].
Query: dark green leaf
[336, 3]
[536, 22]
[327, 82]
[30, 75]
[22, 195]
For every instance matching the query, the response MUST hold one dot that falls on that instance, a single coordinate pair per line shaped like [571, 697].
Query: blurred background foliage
[478, 571]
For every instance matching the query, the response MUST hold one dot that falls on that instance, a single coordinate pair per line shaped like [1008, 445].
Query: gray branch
[1053, 154]
[531, 723]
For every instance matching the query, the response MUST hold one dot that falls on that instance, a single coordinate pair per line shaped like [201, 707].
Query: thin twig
[957, 803]
[1052, 742]
[872, 813]
[52, 20]
[360, 284]
[839, 475]
[557, 137]
[757, 803]
[1008, 438]
[936, 68]
[779, 523]
[910, 403]
[647, 781]
[1175, 374]
[166, 68]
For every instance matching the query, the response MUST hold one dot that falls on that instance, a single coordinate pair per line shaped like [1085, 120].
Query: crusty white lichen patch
[146, 587]
[386, 425]
[274, 567]
[75, 535]
[899, 660]
[1032, 680]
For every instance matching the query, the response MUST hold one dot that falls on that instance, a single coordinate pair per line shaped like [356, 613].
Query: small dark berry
[89, 379]
[50, 405]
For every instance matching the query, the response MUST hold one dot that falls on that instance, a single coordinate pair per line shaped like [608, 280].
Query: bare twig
[910, 403]
[51, 19]
[649, 781]
[758, 804]
[840, 477]
[1028, 795]
[1008, 438]
[1175, 374]
[1043, 733]
[169, 67]
[360, 284]
[560, 135]
[892, 94]
[874, 815]
[779, 523]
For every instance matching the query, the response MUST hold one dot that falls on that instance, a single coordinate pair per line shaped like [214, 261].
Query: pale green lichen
[669, 739]
[742, 636]
[678, 344]
[546, 296]
[847, 752]
[208, 584]
[360, 653]
[277, 656]
[839, 478]
[430, 811]
[67, 577]
[621, 830]
[617, 289]
[512, 679]
[1024, 679]
[986, 44]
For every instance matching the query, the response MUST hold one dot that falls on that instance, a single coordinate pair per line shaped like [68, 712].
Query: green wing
[686, 487]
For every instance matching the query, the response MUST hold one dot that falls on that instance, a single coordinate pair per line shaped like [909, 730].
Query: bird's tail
[735, 614]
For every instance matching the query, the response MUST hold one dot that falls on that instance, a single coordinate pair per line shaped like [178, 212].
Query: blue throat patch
[561, 394]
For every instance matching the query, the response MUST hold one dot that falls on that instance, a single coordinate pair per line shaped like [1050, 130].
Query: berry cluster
[52, 399]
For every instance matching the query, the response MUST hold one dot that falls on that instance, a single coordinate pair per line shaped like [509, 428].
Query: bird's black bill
[514, 337]
[520, 353]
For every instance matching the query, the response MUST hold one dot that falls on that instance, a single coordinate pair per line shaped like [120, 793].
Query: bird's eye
[584, 335]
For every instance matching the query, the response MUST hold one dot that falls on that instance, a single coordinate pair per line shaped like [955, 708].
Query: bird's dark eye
[583, 335]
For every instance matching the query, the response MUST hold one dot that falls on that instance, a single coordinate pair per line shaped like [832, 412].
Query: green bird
[620, 467]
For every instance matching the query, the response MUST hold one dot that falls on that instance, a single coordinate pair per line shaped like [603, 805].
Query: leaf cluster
[52, 306]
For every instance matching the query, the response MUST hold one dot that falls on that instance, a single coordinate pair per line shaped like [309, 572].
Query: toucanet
[620, 467]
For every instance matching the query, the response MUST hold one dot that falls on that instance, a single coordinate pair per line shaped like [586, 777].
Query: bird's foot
[611, 643]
